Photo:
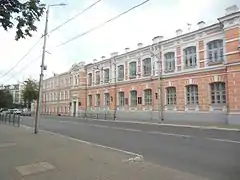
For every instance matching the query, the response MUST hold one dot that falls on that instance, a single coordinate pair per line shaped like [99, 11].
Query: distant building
[15, 90]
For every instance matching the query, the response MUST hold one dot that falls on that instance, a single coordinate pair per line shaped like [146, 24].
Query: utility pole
[43, 68]
[115, 87]
[160, 98]
[41, 75]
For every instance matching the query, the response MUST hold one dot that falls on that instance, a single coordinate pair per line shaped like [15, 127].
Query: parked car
[26, 112]
[17, 112]
[4, 112]
[10, 111]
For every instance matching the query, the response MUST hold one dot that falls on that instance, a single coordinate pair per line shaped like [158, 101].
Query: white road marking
[152, 132]
[89, 143]
[7, 145]
[132, 130]
[224, 140]
[34, 168]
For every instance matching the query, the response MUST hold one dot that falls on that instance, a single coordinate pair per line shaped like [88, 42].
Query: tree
[23, 15]
[30, 92]
[6, 99]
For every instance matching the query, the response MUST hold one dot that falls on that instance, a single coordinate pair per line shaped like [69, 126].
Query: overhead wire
[20, 60]
[25, 67]
[51, 31]
[102, 24]
[72, 18]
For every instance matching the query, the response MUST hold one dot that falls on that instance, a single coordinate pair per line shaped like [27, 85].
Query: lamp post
[43, 67]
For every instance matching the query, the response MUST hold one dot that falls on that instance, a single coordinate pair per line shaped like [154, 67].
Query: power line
[78, 14]
[102, 24]
[56, 28]
[20, 60]
[24, 68]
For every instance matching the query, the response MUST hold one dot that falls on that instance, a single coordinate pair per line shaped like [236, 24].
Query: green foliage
[6, 99]
[30, 92]
[23, 15]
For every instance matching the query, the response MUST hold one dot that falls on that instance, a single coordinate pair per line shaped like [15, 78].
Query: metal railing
[106, 116]
[13, 119]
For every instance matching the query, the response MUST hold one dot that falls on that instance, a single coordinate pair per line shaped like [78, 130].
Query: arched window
[120, 72]
[147, 67]
[190, 57]
[133, 98]
[192, 94]
[169, 62]
[218, 93]
[171, 96]
[148, 97]
[132, 70]
[215, 51]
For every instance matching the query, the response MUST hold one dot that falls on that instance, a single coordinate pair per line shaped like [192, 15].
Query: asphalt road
[213, 154]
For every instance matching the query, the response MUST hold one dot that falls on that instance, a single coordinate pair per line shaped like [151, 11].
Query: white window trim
[208, 39]
[142, 69]
[117, 65]
[133, 61]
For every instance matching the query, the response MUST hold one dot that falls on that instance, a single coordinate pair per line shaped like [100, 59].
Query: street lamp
[43, 67]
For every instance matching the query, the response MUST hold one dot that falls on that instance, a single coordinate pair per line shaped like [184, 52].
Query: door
[74, 108]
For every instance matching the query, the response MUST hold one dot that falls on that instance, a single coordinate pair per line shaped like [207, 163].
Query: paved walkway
[26, 156]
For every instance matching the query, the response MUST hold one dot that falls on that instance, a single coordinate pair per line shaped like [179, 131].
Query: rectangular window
[171, 96]
[192, 94]
[89, 79]
[190, 57]
[169, 62]
[66, 95]
[106, 99]
[148, 97]
[89, 100]
[97, 99]
[106, 75]
[218, 93]
[133, 98]
[121, 73]
[147, 67]
[215, 51]
[132, 70]
[97, 77]
[121, 98]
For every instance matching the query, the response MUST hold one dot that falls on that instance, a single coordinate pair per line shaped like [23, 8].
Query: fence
[106, 116]
[10, 119]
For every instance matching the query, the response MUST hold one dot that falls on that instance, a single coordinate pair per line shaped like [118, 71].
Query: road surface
[213, 154]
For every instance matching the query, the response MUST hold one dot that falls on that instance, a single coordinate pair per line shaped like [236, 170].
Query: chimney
[201, 24]
[231, 9]
[114, 54]
[179, 32]
[103, 57]
[127, 50]
[157, 39]
[140, 45]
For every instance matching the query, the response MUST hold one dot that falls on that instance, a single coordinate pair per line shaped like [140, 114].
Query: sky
[155, 18]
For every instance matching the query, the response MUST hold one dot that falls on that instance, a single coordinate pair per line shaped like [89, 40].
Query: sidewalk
[26, 156]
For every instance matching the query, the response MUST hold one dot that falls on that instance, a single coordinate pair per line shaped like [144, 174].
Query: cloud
[140, 25]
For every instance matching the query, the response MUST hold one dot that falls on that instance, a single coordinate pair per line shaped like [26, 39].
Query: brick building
[194, 76]
[61, 92]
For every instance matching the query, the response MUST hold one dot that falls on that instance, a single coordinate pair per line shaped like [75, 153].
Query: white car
[17, 111]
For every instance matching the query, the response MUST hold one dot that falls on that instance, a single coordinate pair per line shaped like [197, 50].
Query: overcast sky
[157, 17]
